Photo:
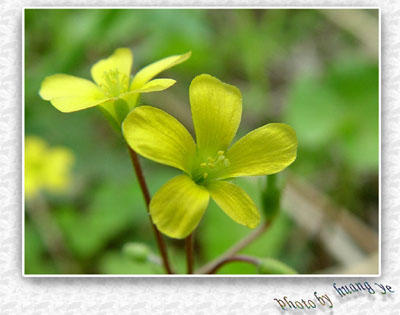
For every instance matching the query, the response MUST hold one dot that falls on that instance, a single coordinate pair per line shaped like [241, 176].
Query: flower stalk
[145, 191]
[207, 268]
[189, 253]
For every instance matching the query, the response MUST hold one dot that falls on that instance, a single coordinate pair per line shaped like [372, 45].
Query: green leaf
[339, 109]
[273, 266]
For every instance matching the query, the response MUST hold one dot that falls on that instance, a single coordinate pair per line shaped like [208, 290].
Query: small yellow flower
[114, 90]
[46, 168]
[179, 205]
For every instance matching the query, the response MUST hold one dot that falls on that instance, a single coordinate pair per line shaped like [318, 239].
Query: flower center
[210, 167]
[114, 83]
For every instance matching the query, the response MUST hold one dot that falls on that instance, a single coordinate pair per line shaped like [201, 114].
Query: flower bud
[271, 197]
[137, 251]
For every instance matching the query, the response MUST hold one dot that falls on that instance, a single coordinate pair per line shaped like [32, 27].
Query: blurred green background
[312, 69]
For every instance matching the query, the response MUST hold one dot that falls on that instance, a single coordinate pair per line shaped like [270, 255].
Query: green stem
[242, 258]
[143, 186]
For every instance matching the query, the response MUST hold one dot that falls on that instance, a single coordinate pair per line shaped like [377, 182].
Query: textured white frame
[176, 295]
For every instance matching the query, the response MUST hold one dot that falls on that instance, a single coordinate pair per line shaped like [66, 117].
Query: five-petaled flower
[46, 168]
[179, 205]
[114, 90]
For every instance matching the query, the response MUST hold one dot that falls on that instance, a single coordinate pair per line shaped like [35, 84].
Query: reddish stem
[189, 253]
[243, 258]
[142, 182]
[234, 249]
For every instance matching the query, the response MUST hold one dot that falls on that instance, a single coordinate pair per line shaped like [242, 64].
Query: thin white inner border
[192, 275]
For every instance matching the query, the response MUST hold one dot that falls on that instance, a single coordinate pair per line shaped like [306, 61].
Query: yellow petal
[266, 150]
[177, 208]
[57, 172]
[155, 86]
[35, 150]
[149, 72]
[216, 110]
[121, 60]
[235, 202]
[46, 167]
[159, 137]
[68, 93]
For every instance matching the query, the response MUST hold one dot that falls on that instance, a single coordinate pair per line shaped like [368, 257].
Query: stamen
[114, 83]
[220, 158]
[211, 166]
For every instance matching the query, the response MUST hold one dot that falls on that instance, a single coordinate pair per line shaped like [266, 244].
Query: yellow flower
[113, 90]
[179, 205]
[46, 168]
